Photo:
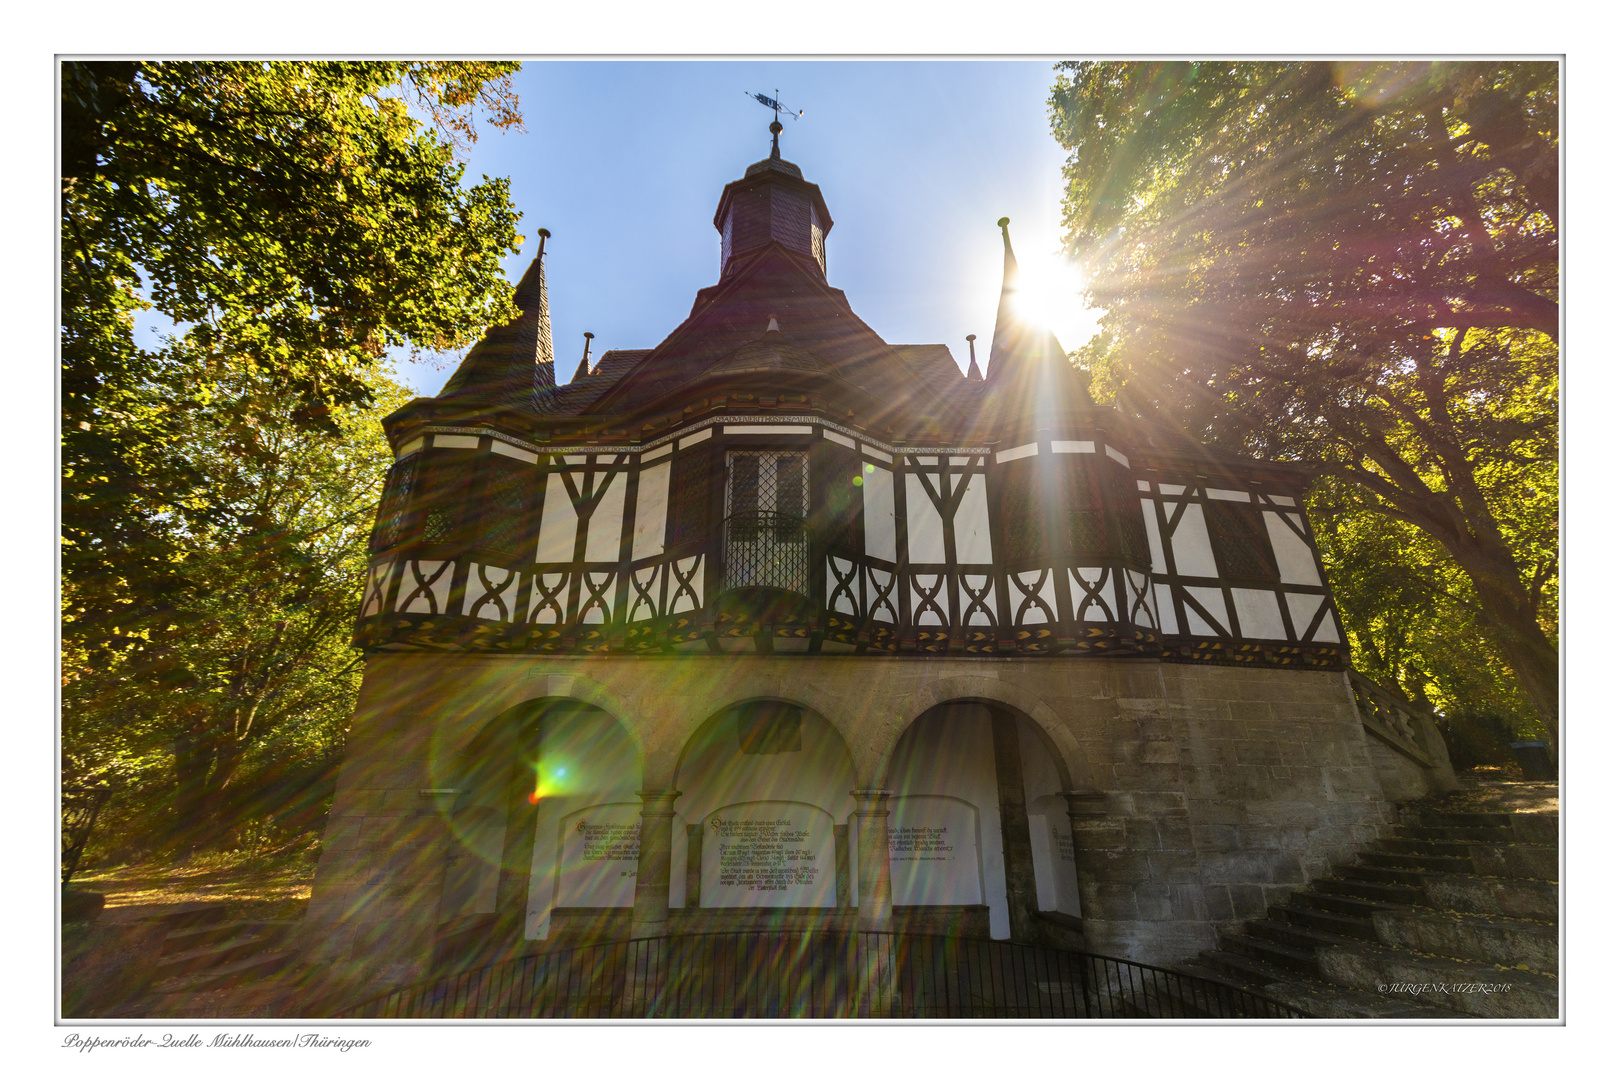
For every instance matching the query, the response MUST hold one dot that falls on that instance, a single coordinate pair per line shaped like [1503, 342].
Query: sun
[1051, 294]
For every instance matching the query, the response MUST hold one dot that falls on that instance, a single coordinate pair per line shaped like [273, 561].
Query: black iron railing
[766, 549]
[775, 975]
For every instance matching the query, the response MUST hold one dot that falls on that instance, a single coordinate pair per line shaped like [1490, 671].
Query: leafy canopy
[1353, 265]
[291, 221]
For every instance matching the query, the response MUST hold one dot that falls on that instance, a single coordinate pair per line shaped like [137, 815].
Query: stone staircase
[204, 950]
[1453, 913]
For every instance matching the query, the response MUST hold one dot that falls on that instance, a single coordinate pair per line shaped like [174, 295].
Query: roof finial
[585, 361]
[973, 360]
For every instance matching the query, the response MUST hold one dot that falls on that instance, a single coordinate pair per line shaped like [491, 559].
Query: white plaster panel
[439, 587]
[1150, 518]
[576, 459]
[1167, 609]
[411, 447]
[1258, 614]
[546, 615]
[1214, 602]
[1033, 615]
[1027, 450]
[925, 533]
[653, 455]
[455, 442]
[1148, 614]
[1295, 560]
[961, 461]
[873, 452]
[508, 450]
[1117, 456]
[652, 501]
[928, 616]
[1068, 446]
[1087, 608]
[877, 498]
[1171, 489]
[1329, 631]
[1190, 544]
[1283, 500]
[841, 440]
[558, 523]
[506, 584]
[934, 850]
[678, 604]
[1228, 495]
[973, 522]
[607, 521]
[1143, 485]
[1302, 608]
[696, 437]
[769, 429]
[601, 612]
[376, 588]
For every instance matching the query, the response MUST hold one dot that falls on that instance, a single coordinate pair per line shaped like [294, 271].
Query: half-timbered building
[780, 624]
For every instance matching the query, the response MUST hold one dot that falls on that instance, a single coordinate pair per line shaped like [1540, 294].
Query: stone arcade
[780, 625]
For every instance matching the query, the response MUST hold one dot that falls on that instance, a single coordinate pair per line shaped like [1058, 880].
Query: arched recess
[762, 820]
[546, 817]
[972, 819]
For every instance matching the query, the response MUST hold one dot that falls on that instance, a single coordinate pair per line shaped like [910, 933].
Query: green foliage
[290, 222]
[293, 221]
[1354, 266]
[232, 707]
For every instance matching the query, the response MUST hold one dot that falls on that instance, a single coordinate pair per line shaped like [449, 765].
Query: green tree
[1353, 265]
[292, 221]
[250, 669]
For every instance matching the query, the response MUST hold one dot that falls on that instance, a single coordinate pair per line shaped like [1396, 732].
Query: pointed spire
[1035, 386]
[973, 360]
[584, 368]
[1006, 314]
[512, 364]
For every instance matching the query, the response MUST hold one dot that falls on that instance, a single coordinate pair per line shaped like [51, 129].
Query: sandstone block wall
[1225, 788]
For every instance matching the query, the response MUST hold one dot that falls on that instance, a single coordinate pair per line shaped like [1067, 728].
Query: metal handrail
[816, 974]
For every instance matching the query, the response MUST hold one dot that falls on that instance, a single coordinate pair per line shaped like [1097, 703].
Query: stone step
[1295, 936]
[1446, 864]
[1330, 922]
[1525, 828]
[1516, 898]
[1243, 970]
[259, 966]
[1470, 987]
[1338, 902]
[1371, 890]
[1493, 834]
[1538, 862]
[191, 938]
[1428, 848]
[1275, 953]
[1505, 942]
[1389, 875]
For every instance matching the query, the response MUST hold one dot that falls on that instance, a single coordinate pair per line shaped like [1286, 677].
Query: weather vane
[776, 107]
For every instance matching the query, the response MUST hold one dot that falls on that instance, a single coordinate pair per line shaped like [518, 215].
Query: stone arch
[764, 770]
[494, 777]
[1074, 766]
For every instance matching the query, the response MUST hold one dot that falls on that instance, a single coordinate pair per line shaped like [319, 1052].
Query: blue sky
[624, 162]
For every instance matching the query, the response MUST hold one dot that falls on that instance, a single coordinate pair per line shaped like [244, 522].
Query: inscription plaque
[934, 851]
[768, 854]
[597, 865]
